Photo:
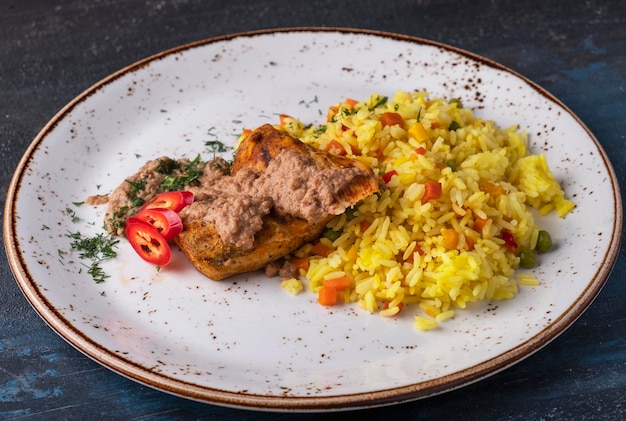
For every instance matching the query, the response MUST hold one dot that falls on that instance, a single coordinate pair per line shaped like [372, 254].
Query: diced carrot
[418, 132]
[300, 264]
[420, 151]
[365, 225]
[491, 188]
[470, 243]
[327, 296]
[400, 306]
[335, 148]
[388, 175]
[351, 102]
[332, 110]
[433, 191]
[321, 249]
[283, 119]
[339, 283]
[450, 238]
[479, 224]
[391, 119]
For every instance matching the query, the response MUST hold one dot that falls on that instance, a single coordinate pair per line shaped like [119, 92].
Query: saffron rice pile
[453, 213]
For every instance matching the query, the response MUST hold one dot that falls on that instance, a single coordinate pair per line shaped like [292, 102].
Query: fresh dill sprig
[215, 146]
[137, 187]
[382, 100]
[72, 213]
[97, 249]
[188, 173]
[101, 246]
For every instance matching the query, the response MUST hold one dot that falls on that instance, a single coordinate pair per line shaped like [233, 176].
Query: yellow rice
[391, 244]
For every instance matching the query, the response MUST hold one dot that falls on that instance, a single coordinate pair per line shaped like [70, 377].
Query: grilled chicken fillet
[279, 195]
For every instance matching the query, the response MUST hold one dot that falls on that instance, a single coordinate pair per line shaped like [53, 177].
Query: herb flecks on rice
[453, 213]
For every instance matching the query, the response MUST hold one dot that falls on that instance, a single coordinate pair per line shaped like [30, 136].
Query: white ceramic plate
[246, 342]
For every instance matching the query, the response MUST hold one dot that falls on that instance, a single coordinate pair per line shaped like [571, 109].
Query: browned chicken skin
[306, 187]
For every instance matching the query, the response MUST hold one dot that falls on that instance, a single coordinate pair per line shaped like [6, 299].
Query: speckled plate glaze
[245, 342]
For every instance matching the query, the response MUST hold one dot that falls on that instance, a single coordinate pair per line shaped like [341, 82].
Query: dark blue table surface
[53, 50]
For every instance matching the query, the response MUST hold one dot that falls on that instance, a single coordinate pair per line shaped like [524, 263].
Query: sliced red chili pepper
[166, 221]
[387, 176]
[148, 242]
[174, 200]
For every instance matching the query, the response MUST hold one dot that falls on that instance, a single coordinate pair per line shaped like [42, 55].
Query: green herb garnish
[167, 166]
[382, 100]
[215, 146]
[137, 187]
[189, 173]
[419, 114]
[96, 249]
[72, 214]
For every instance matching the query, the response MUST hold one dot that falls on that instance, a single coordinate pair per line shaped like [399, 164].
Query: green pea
[331, 234]
[450, 163]
[527, 258]
[544, 241]
[454, 126]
